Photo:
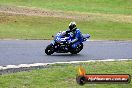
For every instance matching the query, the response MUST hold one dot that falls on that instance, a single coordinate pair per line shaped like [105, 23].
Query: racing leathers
[76, 37]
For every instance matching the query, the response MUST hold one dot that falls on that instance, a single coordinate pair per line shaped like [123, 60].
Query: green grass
[99, 6]
[63, 76]
[33, 27]
[106, 26]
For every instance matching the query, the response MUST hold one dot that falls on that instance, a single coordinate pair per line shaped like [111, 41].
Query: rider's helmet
[72, 26]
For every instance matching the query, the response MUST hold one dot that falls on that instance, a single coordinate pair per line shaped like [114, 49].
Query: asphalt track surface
[15, 52]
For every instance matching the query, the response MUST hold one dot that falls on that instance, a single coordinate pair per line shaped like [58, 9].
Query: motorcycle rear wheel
[77, 49]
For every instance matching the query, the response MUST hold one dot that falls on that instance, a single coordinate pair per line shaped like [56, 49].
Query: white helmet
[72, 25]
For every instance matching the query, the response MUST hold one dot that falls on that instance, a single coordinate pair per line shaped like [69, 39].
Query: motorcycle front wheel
[49, 49]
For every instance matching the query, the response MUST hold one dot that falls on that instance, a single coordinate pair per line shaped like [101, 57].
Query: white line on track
[44, 64]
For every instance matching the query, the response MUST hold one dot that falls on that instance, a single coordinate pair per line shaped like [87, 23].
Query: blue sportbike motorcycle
[60, 44]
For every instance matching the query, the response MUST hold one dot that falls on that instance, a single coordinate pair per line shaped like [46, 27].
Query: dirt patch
[41, 12]
[6, 18]
[73, 15]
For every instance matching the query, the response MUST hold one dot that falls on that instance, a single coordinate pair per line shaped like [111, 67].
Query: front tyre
[49, 49]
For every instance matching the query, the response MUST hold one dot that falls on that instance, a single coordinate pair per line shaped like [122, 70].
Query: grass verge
[35, 27]
[93, 6]
[63, 75]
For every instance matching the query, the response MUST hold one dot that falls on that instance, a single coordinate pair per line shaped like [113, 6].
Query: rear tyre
[49, 49]
[77, 49]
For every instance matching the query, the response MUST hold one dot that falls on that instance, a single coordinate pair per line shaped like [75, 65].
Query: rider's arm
[67, 32]
[78, 33]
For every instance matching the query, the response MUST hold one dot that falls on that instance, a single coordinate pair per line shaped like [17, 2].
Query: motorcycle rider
[76, 35]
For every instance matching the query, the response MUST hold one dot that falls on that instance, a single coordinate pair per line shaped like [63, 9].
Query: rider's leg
[75, 45]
